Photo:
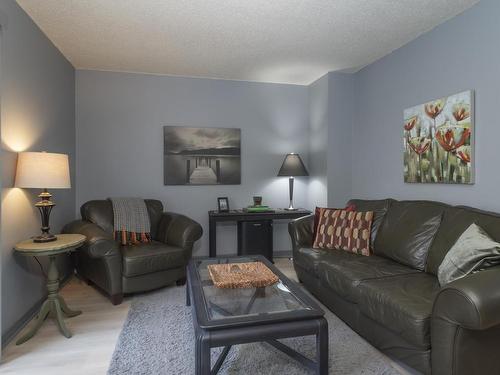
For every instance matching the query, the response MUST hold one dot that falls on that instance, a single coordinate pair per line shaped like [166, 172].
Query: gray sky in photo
[178, 138]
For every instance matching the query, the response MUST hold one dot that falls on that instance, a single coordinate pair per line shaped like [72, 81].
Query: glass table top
[223, 303]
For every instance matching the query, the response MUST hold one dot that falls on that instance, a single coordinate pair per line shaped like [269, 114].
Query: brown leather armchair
[119, 270]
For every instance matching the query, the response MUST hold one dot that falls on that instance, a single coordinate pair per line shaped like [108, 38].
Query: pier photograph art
[201, 156]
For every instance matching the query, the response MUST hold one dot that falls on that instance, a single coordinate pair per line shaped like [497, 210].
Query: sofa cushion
[408, 230]
[148, 258]
[309, 258]
[342, 272]
[99, 212]
[455, 221]
[401, 303]
[378, 207]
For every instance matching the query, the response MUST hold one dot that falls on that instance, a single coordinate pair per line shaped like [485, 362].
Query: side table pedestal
[54, 305]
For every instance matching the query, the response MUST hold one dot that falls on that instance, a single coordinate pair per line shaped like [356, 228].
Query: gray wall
[37, 113]
[331, 111]
[463, 53]
[318, 142]
[119, 120]
[341, 108]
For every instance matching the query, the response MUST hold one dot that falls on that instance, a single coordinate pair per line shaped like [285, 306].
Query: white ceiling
[286, 41]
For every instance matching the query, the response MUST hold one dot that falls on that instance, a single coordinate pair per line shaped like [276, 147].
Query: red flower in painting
[419, 144]
[452, 137]
[461, 111]
[463, 153]
[410, 123]
[433, 109]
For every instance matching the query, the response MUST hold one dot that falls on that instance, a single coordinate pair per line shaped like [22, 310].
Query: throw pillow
[344, 230]
[332, 224]
[359, 234]
[349, 207]
[473, 251]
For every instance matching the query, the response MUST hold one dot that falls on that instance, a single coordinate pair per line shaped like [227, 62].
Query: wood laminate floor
[95, 333]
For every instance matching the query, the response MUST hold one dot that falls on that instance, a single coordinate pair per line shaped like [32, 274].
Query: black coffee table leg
[322, 347]
[202, 348]
[188, 299]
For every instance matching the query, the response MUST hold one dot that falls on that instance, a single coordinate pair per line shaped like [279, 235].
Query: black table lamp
[293, 167]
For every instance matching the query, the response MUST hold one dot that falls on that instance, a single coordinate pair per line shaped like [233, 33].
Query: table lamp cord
[41, 268]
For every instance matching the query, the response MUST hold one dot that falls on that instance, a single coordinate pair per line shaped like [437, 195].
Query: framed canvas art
[438, 139]
[201, 156]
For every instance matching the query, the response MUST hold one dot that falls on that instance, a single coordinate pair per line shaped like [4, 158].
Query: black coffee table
[226, 317]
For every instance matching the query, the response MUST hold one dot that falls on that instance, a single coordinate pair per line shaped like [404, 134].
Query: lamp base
[44, 237]
[291, 209]
[45, 206]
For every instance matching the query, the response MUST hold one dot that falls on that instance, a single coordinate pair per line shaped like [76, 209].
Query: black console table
[241, 216]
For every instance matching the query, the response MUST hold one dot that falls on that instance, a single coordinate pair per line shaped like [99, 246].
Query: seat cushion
[153, 257]
[401, 303]
[408, 231]
[342, 271]
[309, 258]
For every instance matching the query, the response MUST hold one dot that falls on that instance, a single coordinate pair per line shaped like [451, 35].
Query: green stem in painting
[448, 167]
[420, 168]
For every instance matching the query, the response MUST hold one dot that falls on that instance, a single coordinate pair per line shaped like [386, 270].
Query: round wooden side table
[54, 303]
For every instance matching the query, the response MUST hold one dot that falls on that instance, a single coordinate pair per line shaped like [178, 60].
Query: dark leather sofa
[393, 298]
[118, 270]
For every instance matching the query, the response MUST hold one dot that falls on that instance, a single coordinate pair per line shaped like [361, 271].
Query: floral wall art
[438, 141]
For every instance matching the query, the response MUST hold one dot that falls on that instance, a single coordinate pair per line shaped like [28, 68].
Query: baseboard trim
[18, 326]
[276, 254]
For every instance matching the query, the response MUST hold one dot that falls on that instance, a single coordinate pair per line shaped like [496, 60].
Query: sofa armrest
[179, 230]
[98, 244]
[472, 302]
[301, 231]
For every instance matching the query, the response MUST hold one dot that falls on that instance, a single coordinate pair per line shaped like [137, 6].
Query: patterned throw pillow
[317, 213]
[344, 230]
[360, 231]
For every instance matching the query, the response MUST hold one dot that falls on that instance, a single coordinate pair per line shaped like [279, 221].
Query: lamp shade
[42, 170]
[293, 166]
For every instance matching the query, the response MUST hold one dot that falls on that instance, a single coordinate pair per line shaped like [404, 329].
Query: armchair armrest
[98, 244]
[301, 231]
[179, 230]
[472, 302]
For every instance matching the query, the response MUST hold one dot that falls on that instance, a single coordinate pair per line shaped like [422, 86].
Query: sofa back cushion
[408, 230]
[379, 208]
[100, 212]
[455, 221]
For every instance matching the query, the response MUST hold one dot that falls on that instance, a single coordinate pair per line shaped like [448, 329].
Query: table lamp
[43, 170]
[293, 167]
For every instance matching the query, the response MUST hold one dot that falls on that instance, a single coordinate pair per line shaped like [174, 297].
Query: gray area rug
[157, 338]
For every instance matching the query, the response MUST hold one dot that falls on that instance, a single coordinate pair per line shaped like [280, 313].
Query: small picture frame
[223, 204]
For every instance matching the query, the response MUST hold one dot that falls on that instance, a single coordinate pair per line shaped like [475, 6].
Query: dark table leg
[212, 238]
[188, 298]
[322, 347]
[202, 348]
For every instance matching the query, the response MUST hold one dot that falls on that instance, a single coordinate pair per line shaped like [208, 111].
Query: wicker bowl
[241, 275]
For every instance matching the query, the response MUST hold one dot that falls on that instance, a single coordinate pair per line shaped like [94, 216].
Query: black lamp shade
[293, 166]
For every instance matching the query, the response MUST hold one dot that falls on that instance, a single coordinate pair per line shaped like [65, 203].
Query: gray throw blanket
[131, 220]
